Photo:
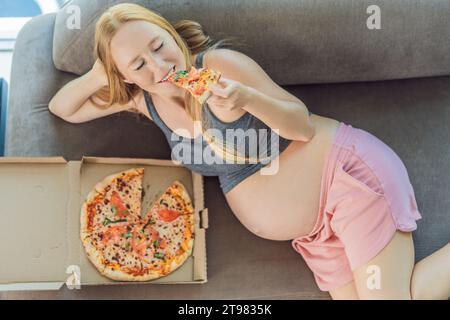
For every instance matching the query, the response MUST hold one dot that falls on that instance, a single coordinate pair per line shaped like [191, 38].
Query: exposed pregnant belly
[285, 205]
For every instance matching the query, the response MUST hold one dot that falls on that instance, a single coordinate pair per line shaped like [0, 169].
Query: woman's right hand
[98, 70]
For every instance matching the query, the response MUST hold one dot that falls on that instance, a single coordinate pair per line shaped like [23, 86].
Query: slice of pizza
[196, 81]
[116, 200]
[170, 222]
[124, 253]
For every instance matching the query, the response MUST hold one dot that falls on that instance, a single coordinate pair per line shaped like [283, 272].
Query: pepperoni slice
[121, 210]
[114, 234]
[163, 243]
[139, 245]
[193, 74]
[154, 233]
[168, 215]
[199, 90]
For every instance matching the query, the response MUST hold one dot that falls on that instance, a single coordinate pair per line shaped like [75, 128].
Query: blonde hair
[190, 38]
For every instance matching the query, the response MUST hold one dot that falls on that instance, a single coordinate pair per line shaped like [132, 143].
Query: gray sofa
[393, 82]
[3, 105]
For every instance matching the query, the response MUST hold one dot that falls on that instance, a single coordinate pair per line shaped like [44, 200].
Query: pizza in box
[124, 246]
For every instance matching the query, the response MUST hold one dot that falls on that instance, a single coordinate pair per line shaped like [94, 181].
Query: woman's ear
[127, 81]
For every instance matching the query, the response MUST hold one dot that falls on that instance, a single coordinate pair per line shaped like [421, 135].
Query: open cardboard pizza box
[40, 247]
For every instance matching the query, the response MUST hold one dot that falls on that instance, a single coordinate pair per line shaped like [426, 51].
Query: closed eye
[143, 62]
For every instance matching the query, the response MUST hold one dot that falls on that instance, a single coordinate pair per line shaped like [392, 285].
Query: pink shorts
[365, 196]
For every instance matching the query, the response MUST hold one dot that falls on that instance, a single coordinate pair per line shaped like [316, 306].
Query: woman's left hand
[229, 94]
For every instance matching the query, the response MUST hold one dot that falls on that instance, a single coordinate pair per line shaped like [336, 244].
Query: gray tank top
[189, 151]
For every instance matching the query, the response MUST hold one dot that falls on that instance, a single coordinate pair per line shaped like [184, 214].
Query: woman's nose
[159, 69]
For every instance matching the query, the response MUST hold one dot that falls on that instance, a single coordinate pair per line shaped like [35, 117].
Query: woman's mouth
[168, 75]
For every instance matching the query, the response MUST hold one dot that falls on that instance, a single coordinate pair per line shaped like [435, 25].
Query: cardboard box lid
[34, 193]
[42, 221]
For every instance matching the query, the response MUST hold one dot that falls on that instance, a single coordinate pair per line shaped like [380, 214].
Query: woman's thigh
[346, 292]
[388, 274]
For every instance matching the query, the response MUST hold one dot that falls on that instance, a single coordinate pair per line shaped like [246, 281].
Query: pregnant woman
[339, 193]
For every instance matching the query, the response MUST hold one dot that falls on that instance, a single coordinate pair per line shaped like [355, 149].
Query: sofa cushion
[303, 41]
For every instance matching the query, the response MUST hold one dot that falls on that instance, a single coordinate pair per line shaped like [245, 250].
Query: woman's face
[144, 53]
